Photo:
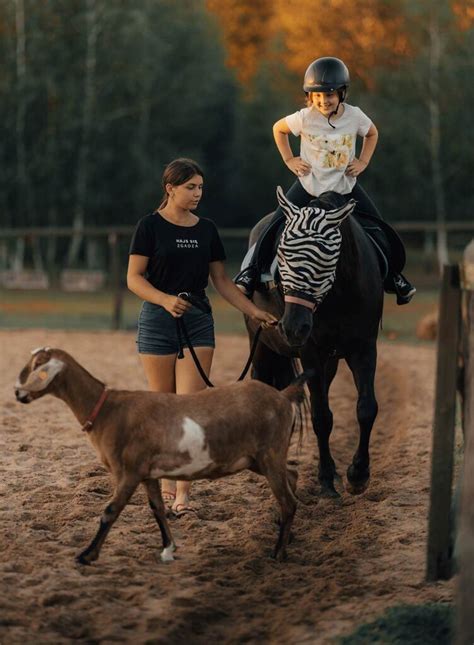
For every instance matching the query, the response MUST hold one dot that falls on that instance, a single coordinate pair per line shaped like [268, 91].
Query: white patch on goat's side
[192, 442]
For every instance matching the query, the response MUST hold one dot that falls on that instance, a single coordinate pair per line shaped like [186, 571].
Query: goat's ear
[40, 356]
[41, 377]
[337, 215]
[287, 207]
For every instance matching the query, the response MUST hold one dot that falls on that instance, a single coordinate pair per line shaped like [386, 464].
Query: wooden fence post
[465, 543]
[439, 553]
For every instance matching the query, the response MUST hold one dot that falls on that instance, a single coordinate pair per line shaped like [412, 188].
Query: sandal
[183, 509]
[168, 497]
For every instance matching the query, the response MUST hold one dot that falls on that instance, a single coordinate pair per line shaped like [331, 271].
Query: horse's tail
[296, 394]
[295, 390]
[272, 368]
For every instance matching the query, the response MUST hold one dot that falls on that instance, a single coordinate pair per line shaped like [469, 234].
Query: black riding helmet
[326, 74]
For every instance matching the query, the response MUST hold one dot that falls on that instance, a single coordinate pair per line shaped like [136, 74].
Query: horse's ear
[337, 215]
[287, 207]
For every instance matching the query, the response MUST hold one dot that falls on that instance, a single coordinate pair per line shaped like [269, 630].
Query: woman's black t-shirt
[179, 255]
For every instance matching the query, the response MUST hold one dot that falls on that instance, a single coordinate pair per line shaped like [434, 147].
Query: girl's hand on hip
[355, 167]
[176, 306]
[299, 166]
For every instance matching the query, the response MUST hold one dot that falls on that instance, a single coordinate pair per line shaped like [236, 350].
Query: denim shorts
[158, 334]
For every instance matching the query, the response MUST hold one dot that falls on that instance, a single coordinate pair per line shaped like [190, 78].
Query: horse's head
[307, 259]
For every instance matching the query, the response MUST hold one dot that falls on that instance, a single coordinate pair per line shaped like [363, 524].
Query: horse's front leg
[322, 420]
[362, 364]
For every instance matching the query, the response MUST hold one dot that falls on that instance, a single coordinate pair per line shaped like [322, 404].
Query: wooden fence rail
[402, 226]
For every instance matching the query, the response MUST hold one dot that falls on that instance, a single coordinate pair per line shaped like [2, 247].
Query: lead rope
[182, 331]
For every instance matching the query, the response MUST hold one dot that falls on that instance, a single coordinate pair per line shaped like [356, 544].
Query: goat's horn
[39, 349]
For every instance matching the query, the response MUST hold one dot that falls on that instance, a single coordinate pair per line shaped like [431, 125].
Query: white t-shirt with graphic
[326, 149]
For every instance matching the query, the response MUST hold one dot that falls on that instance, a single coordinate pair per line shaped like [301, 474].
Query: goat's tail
[296, 394]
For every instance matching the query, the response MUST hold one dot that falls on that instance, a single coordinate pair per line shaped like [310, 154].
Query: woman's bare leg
[188, 380]
[160, 372]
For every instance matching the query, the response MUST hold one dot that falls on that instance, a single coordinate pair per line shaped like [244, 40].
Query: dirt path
[348, 562]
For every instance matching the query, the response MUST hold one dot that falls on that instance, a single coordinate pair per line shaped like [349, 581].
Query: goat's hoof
[167, 554]
[87, 557]
[82, 559]
[280, 556]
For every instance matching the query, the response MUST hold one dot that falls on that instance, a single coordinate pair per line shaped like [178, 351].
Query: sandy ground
[350, 559]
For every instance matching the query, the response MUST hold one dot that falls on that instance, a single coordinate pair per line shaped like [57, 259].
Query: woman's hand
[175, 305]
[266, 319]
[299, 166]
[355, 167]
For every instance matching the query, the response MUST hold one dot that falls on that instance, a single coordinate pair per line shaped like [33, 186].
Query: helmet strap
[334, 112]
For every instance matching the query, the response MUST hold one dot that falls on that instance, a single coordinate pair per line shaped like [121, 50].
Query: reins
[183, 332]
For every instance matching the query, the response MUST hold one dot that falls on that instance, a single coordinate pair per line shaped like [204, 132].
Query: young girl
[174, 251]
[328, 129]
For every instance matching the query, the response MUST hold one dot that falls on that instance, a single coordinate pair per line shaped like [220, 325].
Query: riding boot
[398, 284]
[247, 279]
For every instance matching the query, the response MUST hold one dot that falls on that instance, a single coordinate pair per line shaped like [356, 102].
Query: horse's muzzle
[295, 326]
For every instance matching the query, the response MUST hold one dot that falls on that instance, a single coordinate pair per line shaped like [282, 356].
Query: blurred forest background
[96, 96]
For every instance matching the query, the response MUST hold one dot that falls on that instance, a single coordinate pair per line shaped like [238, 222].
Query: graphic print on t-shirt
[332, 150]
[185, 243]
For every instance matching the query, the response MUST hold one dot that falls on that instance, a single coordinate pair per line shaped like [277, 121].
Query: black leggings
[300, 197]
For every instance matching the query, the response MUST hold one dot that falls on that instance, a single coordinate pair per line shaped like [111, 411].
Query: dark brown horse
[329, 300]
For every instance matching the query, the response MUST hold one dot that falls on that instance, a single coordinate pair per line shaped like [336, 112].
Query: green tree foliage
[387, 47]
[207, 79]
[159, 90]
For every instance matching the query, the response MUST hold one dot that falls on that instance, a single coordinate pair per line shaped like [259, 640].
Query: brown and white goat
[142, 436]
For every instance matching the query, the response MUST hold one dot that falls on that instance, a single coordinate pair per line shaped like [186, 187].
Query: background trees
[96, 97]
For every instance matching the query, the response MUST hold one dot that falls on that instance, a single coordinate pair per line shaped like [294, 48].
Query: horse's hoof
[357, 480]
[357, 487]
[329, 492]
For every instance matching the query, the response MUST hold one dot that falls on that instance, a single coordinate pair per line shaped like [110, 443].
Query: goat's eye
[24, 374]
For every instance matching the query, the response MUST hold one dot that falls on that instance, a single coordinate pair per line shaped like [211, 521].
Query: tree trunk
[53, 165]
[83, 158]
[435, 139]
[25, 202]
